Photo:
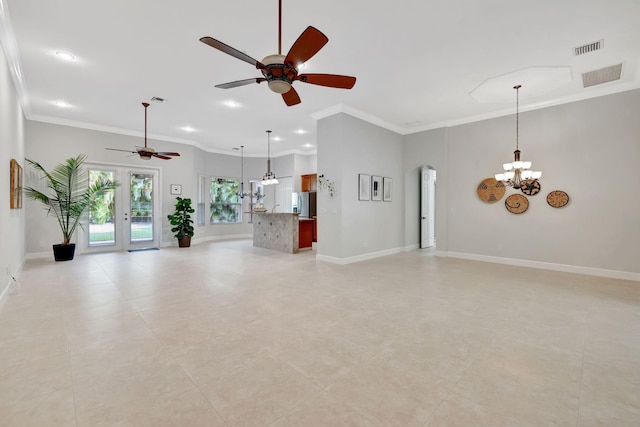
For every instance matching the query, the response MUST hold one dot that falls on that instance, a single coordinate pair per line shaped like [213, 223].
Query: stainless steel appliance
[304, 203]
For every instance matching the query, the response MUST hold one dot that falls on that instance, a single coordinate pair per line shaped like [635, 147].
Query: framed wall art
[387, 189]
[364, 187]
[176, 189]
[16, 185]
[376, 188]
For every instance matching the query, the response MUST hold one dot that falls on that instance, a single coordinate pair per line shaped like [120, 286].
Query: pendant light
[269, 178]
[241, 193]
[517, 173]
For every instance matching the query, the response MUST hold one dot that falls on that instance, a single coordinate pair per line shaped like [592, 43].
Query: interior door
[125, 218]
[428, 207]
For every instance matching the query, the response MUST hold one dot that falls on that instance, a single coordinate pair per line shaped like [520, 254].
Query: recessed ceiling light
[300, 131]
[231, 104]
[65, 56]
[188, 129]
[277, 138]
[307, 145]
[62, 104]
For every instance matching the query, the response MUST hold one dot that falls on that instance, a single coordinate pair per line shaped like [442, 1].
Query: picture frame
[387, 189]
[176, 189]
[364, 186]
[376, 188]
[15, 185]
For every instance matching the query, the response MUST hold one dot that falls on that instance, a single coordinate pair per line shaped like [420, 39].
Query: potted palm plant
[182, 222]
[68, 197]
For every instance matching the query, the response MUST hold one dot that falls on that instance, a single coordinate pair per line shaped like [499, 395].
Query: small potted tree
[182, 222]
[69, 196]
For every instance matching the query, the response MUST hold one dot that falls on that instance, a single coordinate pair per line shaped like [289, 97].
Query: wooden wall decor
[557, 199]
[516, 203]
[490, 190]
[16, 184]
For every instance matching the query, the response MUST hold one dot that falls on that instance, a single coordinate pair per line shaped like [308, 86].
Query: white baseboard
[37, 255]
[358, 258]
[11, 283]
[590, 271]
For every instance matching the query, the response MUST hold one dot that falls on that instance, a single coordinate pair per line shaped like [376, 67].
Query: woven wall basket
[516, 203]
[490, 190]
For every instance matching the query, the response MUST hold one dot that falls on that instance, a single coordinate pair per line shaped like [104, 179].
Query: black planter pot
[184, 242]
[64, 252]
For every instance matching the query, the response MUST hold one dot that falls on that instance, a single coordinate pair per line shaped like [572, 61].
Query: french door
[125, 218]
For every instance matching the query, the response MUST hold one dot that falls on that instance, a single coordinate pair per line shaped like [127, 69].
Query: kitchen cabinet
[315, 229]
[309, 182]
[305, 233]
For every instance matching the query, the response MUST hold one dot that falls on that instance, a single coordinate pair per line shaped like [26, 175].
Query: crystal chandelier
[270, 177]
[518, 173]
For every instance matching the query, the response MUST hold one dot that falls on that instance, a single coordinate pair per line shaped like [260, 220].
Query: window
[202, 199]
[226, 205]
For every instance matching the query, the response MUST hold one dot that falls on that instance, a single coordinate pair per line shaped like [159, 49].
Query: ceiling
[419, 64]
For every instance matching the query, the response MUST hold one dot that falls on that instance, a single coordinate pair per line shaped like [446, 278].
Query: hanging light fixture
[241, 193]
[518, 173]
[270, 177]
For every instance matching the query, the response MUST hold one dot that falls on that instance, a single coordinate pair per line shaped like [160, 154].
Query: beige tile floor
[224, 334]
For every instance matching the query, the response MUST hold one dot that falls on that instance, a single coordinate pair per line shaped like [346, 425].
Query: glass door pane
[142, 212]
[101, 226]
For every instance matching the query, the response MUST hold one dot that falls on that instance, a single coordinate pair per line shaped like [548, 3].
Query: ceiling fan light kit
[280, 71]
[146, 153]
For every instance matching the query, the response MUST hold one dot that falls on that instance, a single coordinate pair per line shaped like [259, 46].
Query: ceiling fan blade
[160, 156]
[117, 149]
[291, 97]
[231, 51]
[240, 83]
[167, 153]
[330, 80]
[308, 44]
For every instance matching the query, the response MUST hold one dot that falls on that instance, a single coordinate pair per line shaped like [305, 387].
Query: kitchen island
[278, 231]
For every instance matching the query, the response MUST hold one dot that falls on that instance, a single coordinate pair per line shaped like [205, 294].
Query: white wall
[304, 165]
[590, 149]
[12, 221]
[350, 229]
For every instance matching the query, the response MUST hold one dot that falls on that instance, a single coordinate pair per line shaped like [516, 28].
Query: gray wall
[350, 229]
[12, 221]
[425, 149]
[590, 149]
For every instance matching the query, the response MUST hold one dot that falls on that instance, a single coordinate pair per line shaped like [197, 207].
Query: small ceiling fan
[281, 71]
[146, 153]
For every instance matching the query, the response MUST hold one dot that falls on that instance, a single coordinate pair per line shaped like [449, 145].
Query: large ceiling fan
[146, 153]
[281, 71]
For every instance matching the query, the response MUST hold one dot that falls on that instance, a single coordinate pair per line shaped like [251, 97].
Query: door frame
[427, 207]
[123, 210]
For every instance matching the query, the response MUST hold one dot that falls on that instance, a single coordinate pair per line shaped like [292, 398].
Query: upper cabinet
[309, 182]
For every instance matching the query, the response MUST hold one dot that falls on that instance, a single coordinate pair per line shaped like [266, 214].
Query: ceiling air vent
[587, 48]
[603, 75]
[158, 100]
